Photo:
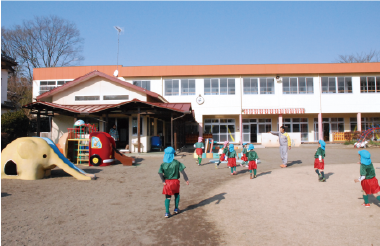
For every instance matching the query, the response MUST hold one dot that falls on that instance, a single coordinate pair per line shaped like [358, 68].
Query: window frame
[188, 93]
[171, 81]
[86, 96]
[297, 87]
[376, 85]
[139, 83]
[217, 123]
[141, 126]
[213, 86]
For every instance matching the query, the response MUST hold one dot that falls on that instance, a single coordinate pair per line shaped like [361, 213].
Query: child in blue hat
[244, 154]
[319, 162]
[231, 154]
[368, 179]
[169, 174]
[252, 158]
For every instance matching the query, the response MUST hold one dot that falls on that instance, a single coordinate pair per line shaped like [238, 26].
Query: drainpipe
[241, 110]
[320, 110]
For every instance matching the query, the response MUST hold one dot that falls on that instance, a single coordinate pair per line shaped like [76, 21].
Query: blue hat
[365, 157]
[231, 147]
[244, 144]
[251, 147]
[169, 154]
[322, 143]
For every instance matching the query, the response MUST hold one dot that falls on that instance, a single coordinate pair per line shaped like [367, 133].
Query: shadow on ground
[294, 162]
[4, 194]
[58, 173]
[218, 198]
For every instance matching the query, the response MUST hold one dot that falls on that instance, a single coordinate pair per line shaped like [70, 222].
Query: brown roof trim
[100, 74]
[210, 70]
[178, 107]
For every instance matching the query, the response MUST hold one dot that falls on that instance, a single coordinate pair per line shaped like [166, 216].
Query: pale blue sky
[205, 33]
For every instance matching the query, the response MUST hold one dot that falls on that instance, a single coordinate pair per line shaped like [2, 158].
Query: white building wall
[59, 126]
[96, 86]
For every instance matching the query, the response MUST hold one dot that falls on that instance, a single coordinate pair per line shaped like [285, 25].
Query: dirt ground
[125, 205]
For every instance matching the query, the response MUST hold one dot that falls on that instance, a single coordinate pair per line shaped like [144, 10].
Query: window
[87, 98]
[49, 85]
[250, 86]
[344, 84]
[171, 87]
[221, 129]
[187, 87]
[116, 97]
[298, 125]
[367, 122]
[143, 84]
[297, 85]
[369, 84]
[223, 86]
[134, 126]
[150, 127]
[328, 85]
[266, 85]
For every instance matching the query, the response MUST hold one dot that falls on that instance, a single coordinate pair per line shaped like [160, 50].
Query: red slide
[125, 160]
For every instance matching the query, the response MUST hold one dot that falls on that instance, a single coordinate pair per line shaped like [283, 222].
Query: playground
[124, 206]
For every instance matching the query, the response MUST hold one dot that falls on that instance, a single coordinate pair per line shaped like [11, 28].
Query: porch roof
[160, 110]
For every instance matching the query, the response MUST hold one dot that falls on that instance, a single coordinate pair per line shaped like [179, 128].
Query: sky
[212, 33]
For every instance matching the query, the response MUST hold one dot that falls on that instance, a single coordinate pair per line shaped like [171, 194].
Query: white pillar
[200, 129]
[279, 121]
[359, 121]
[320, 131]
[241, 128]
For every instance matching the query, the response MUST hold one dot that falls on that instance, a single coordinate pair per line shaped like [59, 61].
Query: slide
[125, 160]
[65, 160]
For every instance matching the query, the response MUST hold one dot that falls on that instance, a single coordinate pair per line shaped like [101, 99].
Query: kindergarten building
[228, 102]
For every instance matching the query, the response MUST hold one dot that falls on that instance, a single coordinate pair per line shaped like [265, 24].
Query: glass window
[207, 86]
[332, 85]
[187, 87]
[143, 84]
[134, 125]
[371, 84]
[266, 85]
[363, 84]
[285, 85]
[250, 86]
[116, 97]
[231, 86]
[310, 85]
[214, 86]
[328, 85]
[87, 98]
[223, 131]
[293, 86]
[302, 85]
[171, 87]
[377, 84]
[223, 86]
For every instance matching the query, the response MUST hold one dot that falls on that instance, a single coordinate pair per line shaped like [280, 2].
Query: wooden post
[38, 124]
[171, 131]
[175, 137]
[138, 130]
[106, 128]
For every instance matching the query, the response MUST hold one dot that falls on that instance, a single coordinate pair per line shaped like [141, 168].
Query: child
[199, 150]
[244, 155]
[169, 174]
[252, 158]
[319, 162]
[367, 178]
[231, 154]
[225, 150]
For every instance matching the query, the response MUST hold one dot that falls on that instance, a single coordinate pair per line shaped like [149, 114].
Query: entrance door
[326, 131]
[253, 133]
[123, 128]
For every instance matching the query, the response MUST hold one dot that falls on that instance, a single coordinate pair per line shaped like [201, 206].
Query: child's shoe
[234, 173]
[254, 176]
[216, 165]
[366, 205]
[176, 211]
[322, 180]
[250, 176]
[167, 215]
[282, 165]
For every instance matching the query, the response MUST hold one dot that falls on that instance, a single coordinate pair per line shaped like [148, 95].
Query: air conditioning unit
[278, 79]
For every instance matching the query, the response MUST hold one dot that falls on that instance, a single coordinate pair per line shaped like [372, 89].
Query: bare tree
[43, 42]
[371, 56]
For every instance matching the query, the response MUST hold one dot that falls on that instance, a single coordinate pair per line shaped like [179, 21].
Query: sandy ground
[290, 207]
[124, 206]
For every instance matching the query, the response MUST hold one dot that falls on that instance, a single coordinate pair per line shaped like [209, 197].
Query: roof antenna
[119, 30]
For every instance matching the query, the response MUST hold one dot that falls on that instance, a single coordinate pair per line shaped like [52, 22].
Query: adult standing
[285, 144]
[114, 133]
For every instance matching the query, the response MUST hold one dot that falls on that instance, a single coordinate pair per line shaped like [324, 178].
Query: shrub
[15, 124]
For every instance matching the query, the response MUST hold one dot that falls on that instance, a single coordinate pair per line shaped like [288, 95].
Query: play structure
[367, 134]
[82, 144]
[32, 158]
[78, 141]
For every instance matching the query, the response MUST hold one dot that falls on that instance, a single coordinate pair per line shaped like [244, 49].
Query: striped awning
[275, 111]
